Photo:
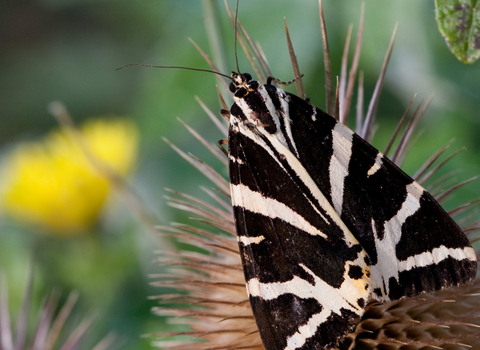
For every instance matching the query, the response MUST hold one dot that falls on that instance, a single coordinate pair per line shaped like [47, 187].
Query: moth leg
[220, 145]
[275, 80]
[225, 114]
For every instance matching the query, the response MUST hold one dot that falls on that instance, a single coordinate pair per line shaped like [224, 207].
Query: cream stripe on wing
[276, 117]
[377, 165]
[282, 96]
[388, 265]
[338, 170]
[435, 256]
[244, 197]
[250, 240]
[308, 330]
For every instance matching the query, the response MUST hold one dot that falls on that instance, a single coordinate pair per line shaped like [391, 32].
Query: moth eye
[254, 85]
[247, 77]
[232, 87]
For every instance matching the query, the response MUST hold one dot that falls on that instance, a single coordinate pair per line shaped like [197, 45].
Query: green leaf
[459, 23]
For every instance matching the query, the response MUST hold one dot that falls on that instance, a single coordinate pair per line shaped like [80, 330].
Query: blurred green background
[68, 51]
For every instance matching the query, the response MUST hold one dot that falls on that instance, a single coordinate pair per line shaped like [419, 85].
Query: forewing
[306, 274]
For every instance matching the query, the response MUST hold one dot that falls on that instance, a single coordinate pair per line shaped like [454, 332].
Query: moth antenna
[236, 34]
[176, 67]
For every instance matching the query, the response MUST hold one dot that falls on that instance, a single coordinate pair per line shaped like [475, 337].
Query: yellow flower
[53, 183]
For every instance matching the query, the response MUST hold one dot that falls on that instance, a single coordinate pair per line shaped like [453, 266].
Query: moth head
[242, 84]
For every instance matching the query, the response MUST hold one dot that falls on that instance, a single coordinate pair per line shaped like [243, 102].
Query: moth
[326, 222]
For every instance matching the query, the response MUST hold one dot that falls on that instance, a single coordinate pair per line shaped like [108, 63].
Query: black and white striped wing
[307, 277]
[413, 244]
[325, 221]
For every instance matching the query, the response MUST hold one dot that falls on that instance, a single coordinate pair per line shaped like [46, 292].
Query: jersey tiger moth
[325, 222]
